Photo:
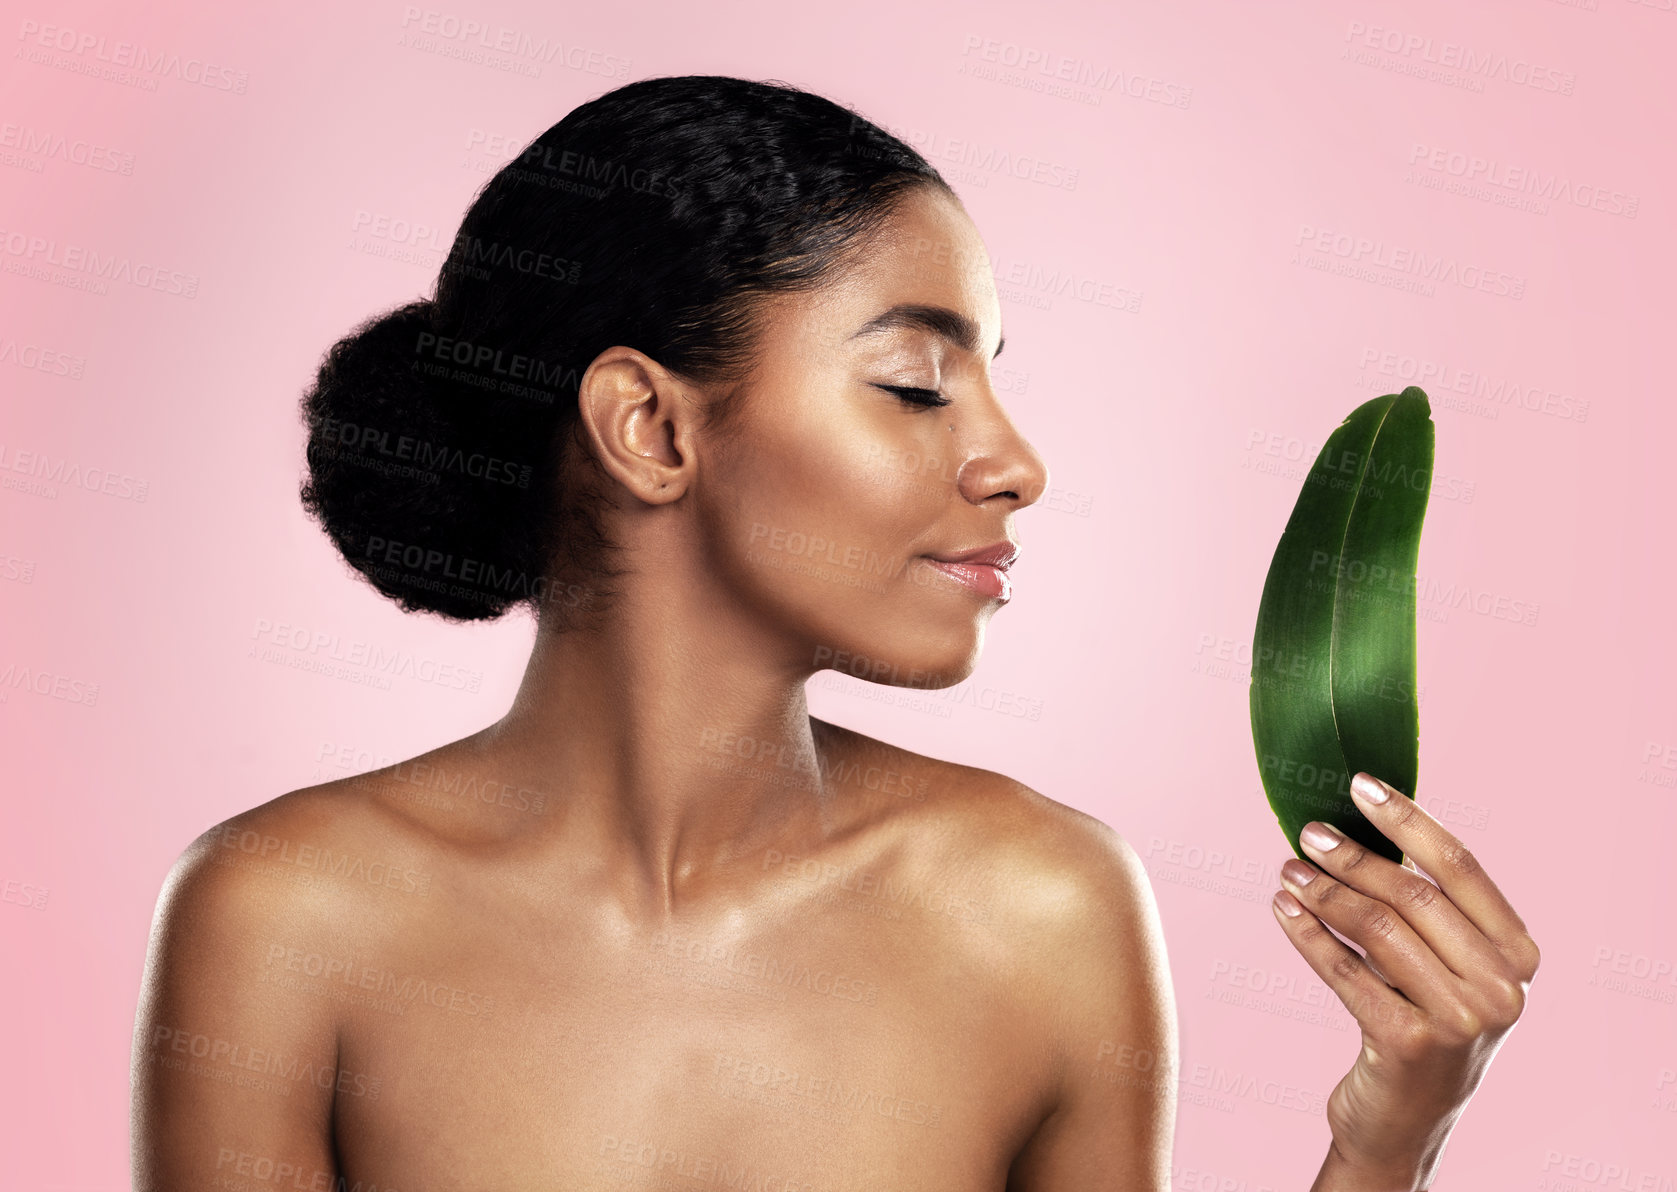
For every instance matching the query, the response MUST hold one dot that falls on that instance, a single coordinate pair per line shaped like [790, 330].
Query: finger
[1365, 996]
[1376, 928]
[1457, 943]
[1458, 873]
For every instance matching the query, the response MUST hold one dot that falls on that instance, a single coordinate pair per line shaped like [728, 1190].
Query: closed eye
[922, 398]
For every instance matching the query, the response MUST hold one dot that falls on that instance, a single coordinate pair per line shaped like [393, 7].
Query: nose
[1007, 468]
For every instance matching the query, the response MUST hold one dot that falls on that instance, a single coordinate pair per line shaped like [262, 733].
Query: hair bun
[424, 482]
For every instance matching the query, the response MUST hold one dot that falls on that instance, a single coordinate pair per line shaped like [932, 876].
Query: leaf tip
[1416, 393]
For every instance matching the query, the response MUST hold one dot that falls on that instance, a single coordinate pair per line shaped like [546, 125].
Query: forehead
[927, 254]
[929, 243]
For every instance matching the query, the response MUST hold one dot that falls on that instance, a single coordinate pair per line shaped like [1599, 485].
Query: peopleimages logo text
[1379, 254]
[1451, 55]
[142, 59]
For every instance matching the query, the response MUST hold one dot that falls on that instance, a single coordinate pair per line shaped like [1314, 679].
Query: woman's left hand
[1443, 982]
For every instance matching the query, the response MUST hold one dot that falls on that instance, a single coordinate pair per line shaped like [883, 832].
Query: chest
[831, 1048]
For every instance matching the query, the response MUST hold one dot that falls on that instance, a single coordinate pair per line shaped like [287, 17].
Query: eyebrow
[939, 320]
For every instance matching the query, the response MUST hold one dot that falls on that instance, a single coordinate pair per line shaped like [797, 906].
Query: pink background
[1209, 164]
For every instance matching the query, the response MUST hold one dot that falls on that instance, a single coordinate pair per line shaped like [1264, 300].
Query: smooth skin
[659, 926]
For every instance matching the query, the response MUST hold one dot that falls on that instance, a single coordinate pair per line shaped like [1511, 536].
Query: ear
[640, 420]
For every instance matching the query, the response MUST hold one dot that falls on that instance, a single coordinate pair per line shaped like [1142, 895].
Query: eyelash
[917, 397]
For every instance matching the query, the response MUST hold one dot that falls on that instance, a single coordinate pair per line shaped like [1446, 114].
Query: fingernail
[1369, 789]
[1286, 904]
[1298, 872]
[1321, 837]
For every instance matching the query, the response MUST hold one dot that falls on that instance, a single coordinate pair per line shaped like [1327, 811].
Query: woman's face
[822, 509]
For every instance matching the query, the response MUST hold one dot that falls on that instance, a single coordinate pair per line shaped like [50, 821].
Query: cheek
[834, 494]
[909, 475]
[813, 525]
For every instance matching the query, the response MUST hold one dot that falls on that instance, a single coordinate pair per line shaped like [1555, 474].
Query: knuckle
[1404, 812]
[1507, 1000]
[1462, 1024]
[1527, 957]
[1345, 965]
[1354, 858]
[1327, 892]
[1311, 932]
[1377, 921]
[1417, 893]
[1459, 859]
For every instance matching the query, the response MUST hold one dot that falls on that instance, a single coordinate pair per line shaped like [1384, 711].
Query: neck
[679, 733]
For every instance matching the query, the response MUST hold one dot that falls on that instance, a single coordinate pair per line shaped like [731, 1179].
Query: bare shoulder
[365, 835]
[1078, 954]
[313, 873]
[1052, 864]
[1071, 874]
[315, 845]
[315, 863]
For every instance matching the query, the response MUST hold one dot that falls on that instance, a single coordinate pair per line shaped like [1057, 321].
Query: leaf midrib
[1333, 624]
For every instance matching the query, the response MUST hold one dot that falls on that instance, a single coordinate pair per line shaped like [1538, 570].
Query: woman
[705, 385]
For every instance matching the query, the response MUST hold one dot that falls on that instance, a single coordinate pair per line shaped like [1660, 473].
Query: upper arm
[1114, 1024]
[232, 1077]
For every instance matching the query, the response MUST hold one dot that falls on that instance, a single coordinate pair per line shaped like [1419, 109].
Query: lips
[986, 579]
[1000, 555]
[982, 569]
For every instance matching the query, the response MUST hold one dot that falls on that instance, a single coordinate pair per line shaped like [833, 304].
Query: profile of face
[862, 447]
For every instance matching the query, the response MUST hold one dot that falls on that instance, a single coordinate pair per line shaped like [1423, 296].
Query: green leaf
[1333, 656]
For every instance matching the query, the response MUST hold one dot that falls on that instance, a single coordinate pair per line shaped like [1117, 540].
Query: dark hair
[655, 216]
